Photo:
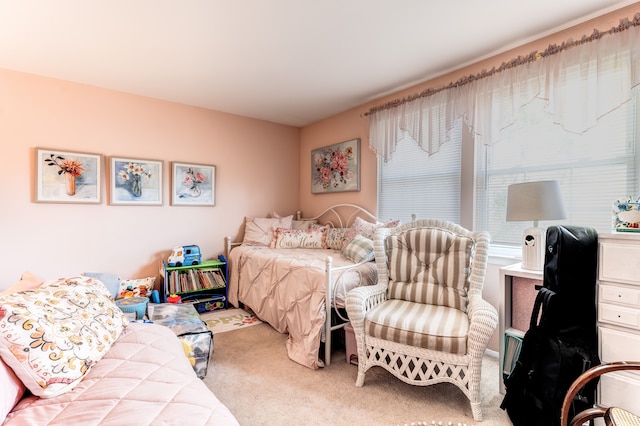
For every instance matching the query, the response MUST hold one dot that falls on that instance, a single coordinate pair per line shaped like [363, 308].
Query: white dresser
[619, 317]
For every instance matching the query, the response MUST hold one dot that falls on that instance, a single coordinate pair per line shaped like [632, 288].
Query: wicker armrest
[360, 300]
[483, 319]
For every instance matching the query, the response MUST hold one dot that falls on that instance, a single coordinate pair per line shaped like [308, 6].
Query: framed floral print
[67, 177]
[192, 184]
[626, 215]
[336, 168]
[135, 181]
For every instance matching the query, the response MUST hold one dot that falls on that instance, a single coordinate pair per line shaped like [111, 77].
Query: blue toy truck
[184, 255]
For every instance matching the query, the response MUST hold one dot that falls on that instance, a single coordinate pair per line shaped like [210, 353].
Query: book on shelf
[512, 346]
[195, 280]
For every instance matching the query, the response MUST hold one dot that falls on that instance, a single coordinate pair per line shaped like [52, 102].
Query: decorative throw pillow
[336, 237]
[302, 225]
[28, 281]
[359, 249]
[141, 287]
[367, 229]
[11, 390]
[111, 281]
[259, 231]
[294, 238]
[53, 335]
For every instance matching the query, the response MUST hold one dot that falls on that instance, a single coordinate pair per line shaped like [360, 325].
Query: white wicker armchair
[426, 321]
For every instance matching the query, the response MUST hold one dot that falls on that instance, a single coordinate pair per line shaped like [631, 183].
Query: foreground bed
[288, 287]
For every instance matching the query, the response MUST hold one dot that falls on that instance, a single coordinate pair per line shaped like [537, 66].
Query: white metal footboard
[329, 298]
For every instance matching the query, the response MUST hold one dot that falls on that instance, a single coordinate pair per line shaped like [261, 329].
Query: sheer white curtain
[489, 103]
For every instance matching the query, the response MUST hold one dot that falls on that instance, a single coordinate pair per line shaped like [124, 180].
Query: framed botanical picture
[67, 177]
[134, 181]
[336, 168]
[192, 184]
[626, 215]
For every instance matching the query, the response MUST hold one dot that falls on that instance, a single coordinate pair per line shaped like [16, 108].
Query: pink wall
[54, 240]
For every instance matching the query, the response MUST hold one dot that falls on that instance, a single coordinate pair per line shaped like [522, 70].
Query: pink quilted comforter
[144, 379]
[286, 288]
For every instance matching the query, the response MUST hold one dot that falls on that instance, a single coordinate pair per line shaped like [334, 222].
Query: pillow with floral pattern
[296, 238]
[52, 336]
[336, 237]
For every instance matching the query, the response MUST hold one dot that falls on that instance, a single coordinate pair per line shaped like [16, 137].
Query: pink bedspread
[144, 379]
[286, 288]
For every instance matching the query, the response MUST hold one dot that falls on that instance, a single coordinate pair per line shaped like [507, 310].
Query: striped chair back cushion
[429, 265]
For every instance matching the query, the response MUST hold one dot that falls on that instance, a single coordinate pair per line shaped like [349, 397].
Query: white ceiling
[288, 61]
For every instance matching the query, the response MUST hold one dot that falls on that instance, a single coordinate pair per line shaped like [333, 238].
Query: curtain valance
[489, 101]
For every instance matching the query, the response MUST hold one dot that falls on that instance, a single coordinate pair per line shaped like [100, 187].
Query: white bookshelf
[514, 314]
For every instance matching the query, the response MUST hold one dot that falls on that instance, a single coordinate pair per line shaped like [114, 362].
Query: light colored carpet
[251, 374]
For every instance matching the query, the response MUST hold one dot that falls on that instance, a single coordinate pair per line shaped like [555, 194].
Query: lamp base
[533, 248]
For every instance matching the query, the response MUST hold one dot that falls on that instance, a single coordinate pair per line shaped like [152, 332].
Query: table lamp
[534, 201]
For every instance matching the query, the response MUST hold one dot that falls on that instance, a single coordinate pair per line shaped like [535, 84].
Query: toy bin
[136, 306]
[185, 322]
[198, 347]
[213, 303]
[350, 344]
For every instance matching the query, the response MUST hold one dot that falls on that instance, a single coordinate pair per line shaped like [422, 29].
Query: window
[415, 183]
[594, 167]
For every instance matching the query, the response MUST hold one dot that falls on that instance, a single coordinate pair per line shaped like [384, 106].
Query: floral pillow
[336, 237]
[53, 335]
[366, 229]
[259, 231]
[136, 288]
[295, 238]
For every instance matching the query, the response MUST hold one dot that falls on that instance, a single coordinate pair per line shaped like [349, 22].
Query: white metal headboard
[340, 215]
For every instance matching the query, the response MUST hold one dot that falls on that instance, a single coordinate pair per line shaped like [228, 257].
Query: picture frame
[626, 215]
[192, 184]
[336, 168]
[67, 176]
[135, 181]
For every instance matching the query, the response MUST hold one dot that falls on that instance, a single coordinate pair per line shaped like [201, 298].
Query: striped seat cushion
[433, 327]
[429, 265]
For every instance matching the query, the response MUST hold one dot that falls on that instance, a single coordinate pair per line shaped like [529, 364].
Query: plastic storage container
[196, 338]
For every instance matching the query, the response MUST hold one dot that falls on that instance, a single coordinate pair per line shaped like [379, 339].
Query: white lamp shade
[535, 201]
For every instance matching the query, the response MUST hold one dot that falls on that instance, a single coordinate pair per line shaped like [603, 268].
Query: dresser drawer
[619, 262]
[619, 390]
[627, 296]
[616, 345]
[620, 315]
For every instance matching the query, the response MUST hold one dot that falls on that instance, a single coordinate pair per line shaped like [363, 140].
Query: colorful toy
[174, 298]
[184, 255]
[188, 351]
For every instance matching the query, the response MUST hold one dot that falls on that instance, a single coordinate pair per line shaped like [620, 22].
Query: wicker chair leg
[476, 411]
[360, 379]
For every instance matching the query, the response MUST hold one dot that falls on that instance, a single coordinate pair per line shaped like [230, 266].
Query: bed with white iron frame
[288, 287]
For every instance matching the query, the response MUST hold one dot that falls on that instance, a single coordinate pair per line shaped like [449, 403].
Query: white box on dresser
[619, 317]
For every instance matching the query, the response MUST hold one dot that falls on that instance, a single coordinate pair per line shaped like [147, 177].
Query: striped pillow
[430, 265]
[359, 249]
